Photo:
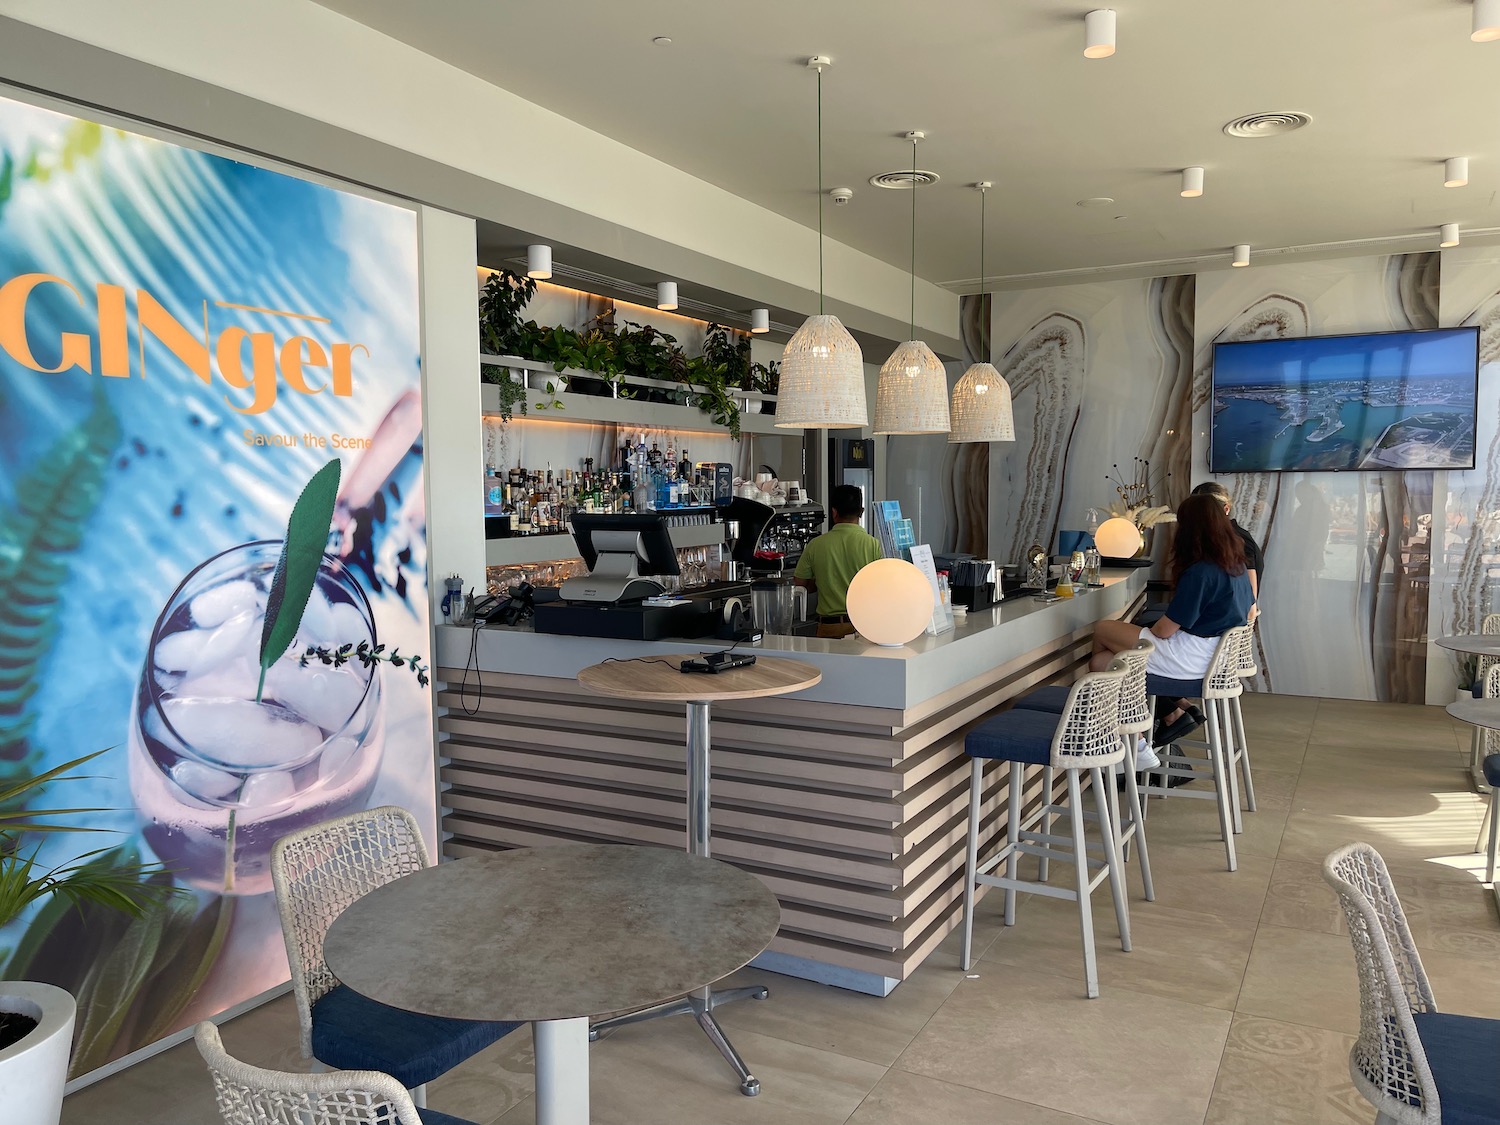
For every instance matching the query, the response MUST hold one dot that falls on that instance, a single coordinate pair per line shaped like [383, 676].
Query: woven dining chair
[250, 1095]
[317, 873]
[1415, 1064]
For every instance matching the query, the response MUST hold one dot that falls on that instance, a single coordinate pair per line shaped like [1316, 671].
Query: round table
[552, 935]
[659, 679]
[1477, 712]
[1477, 644]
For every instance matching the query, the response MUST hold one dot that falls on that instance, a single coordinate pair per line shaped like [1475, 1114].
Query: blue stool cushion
[1053, 698]
[353, 1032]
[1174, 689]
[1015, 736]
[1477, 689]
[1492, 770]
[1461, 1050]
[433, 1117]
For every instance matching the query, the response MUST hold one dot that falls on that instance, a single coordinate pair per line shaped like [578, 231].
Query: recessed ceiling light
[1255, 125]
[1096, 201]
[662, 40]
[1456, 171]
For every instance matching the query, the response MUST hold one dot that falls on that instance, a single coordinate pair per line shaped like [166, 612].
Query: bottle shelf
[578, 408]
[528, 550]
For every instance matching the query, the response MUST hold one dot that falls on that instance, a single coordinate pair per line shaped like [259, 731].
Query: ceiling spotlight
[666, 295]
[1242, 254]
[1099, 33]
[1192, 183]
[1486, 21]
[539, 262]
[760, 320]
[1448, 235]
[1456, 171]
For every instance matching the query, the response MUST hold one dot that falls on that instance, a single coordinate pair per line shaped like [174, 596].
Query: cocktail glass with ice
[219, 775]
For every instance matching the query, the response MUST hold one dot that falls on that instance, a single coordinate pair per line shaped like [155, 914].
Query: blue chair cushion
[1492, 770]
[1461, 1050]
[1014, 736]
[353, 1032]
[1173, 689]
[1477, 689]
[1053, 698]
[433, 1117]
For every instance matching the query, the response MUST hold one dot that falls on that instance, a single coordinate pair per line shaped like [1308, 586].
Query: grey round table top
[1481, 644]
[551, 933]
[1477, 712]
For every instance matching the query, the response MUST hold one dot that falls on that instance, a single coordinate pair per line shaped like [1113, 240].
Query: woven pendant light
[981, 400]
[822, 368]
[912, 396]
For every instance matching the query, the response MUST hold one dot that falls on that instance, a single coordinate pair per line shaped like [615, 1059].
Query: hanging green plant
[501, 302]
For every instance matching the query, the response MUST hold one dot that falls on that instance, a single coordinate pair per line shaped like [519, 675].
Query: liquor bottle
[671, 453]
[685, 467]
[654, 458]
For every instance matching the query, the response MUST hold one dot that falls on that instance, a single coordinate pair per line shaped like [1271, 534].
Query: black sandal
[1184, 724]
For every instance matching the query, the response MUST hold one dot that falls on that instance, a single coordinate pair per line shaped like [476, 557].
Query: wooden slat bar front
[852, 810]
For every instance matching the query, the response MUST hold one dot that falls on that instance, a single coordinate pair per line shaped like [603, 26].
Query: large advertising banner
[187, 345]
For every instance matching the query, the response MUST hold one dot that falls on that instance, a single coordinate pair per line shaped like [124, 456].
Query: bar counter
[849, 800]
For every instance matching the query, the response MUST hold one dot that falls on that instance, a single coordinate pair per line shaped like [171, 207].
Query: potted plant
[36, 1020]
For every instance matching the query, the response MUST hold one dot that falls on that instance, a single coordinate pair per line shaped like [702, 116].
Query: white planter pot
[33, 1071]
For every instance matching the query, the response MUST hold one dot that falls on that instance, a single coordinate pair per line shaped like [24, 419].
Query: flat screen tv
[1379, 401]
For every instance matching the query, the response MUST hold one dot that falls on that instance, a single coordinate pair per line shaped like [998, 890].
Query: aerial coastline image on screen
[1392, 400]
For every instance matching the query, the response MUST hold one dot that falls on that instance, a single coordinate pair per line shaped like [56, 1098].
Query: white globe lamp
[1118, 538]
[890, 602]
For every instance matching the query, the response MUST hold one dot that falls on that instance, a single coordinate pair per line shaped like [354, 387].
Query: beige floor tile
[490, 1083]
[1273, 787]
[875, 1029]
[1442, 836]
[1026, 1035]
[1276, 1073]
[1299, 899]
[1289, 706]
[1302, 977]
[910, 1099]
[1176, 954]
[1190, 878]
[1195, 823]
[1268, 752]
[1392, 732]
[667, 1073]
[1385, 793]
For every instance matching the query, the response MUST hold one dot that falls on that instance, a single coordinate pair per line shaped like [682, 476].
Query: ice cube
[241, 734]
[229, 599]
[319, 693]
[204, 782]
[237, 679]
[318, 626]
[177, 652]
[239, 636]
[347, 624]
[266, 790]
[337, 753]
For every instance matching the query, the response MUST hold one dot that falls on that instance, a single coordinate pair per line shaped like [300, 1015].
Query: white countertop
[854, 671]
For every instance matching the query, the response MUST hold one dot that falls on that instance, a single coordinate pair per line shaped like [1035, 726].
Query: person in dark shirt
[1255, 559]
[1213, 595]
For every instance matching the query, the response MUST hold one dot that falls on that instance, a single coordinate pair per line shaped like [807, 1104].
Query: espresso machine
[771, 539]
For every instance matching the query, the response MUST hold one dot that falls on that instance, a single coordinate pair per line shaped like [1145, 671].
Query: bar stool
[1085, 737]
[1219, 684]
[1492, 775]
[1235, 716]
[1479, 689]
[1488, 743]
[1135, 720]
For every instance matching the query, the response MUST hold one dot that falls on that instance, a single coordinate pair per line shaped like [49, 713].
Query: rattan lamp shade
[912, 397]
[981, 407]
[822, 378]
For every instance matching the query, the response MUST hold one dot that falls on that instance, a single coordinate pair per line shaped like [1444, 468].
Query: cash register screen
[612, 533]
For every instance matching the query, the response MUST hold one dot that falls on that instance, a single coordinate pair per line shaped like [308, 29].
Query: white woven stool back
[1387, 1062]
[1135, 700]
[1088, 731]
[1247, 654]
[1491, 691]
[1222, 681]
[248, 1095]
[321, 870]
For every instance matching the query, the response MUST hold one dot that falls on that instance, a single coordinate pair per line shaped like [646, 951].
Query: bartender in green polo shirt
[831, 560]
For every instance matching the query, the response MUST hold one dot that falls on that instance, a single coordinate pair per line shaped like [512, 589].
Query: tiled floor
[1236, 1005]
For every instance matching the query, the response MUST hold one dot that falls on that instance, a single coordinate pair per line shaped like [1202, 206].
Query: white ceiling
[1005, 94]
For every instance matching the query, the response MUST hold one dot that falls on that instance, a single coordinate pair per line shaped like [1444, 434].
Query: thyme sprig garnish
[367, 656]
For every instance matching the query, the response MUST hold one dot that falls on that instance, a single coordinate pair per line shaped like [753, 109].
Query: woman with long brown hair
[1213, 595]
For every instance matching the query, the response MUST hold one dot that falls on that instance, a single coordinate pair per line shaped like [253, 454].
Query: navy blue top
[1209, 601]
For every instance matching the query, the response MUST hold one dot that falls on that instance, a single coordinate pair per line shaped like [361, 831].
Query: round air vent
[1266, 124]
[905, 179]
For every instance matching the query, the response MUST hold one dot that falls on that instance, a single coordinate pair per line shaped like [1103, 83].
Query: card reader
[716, 662]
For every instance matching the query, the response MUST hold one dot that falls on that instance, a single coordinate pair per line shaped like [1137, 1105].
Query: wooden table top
[1477, 712]
[1480, 644]
[658, 678]
[550, 933]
